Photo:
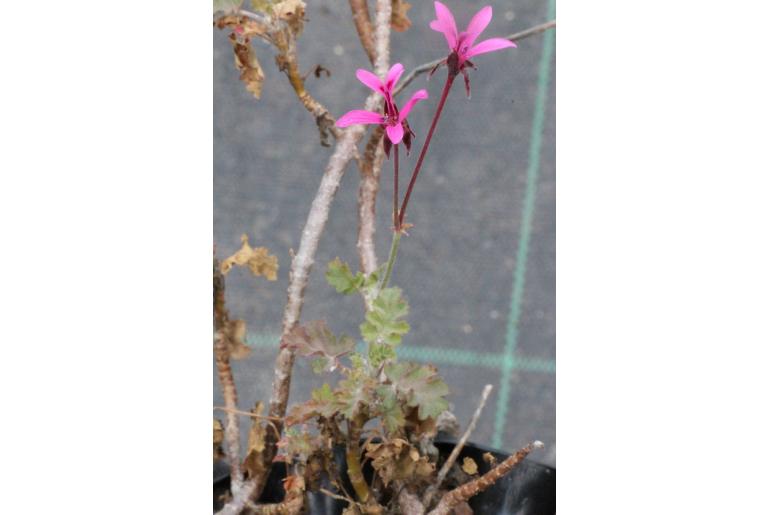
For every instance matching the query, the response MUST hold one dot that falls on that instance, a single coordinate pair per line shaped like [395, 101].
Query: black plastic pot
[529, 489]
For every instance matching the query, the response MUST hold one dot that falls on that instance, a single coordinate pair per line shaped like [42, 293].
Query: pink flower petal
[395, 133]
[477, 25]
[393, 75]
[371, 80]
[419, 95]
[359, 116]
[445, 23]
[489, 45]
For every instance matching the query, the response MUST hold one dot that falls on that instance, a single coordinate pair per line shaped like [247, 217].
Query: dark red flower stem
[444, 94]
[396, 223]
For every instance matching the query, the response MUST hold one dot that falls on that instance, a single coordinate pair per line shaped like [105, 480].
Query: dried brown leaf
[470, 467]
[243, 26]
[234, 334]
[490, 459]
[294, 484]
[258, 259]
[398, 18]
[219, 437]
[396, 459]
[246, 62]
[253, 465]
[292, 12]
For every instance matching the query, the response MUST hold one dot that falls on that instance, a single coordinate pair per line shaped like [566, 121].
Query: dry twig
[367, 200]
[363, 24]
[518, 36]
[226, 380]
[303, 260]
[464, 492]
[428, 497]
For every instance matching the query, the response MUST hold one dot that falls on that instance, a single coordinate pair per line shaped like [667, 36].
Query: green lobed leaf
[421, 387]
[390, 410]
[338, 274]
[379, 353]
[323, 403]
[353, 392]
[382, 323]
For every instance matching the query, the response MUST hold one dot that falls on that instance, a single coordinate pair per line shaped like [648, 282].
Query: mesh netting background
[478, 268]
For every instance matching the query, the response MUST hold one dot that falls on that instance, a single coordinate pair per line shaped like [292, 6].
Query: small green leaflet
[382, 321]
[339, 276]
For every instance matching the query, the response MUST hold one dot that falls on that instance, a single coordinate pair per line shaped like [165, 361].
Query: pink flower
[385, 88]
[394, 121]
[462, 45]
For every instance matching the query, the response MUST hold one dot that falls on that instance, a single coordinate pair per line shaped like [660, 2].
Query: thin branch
[335, 496]
[225, 374]
[363, 24]
[464, 492]
[288, 507]
[424, 68]
[458, 447]
[367, 199]
[373, 155]
[303, 260]
[245, 413]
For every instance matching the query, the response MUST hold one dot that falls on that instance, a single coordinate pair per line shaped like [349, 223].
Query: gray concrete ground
[469, 252]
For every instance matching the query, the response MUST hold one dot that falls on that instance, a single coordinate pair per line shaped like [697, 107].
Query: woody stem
[444, 94]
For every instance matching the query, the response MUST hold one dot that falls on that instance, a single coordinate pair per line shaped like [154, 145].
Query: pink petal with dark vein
[395, 133]
[477, 25]
[489, 45]
[445, 23]
[370, 80]
[419, 95]
[359, 116]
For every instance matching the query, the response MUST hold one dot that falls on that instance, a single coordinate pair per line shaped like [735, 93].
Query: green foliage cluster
[377, 397]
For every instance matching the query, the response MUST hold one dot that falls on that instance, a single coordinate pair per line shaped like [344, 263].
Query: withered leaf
[219, 437]
[246, 62]
[470, 467]
[489, 458]
[234, 334]
[316, 339]
[243, 26]
[292, 12]
[258, 259]
[398, 18]
[294, 484]
[396, 459]
[253, 464]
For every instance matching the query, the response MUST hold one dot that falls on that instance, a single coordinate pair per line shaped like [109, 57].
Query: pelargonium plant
[374, 408]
